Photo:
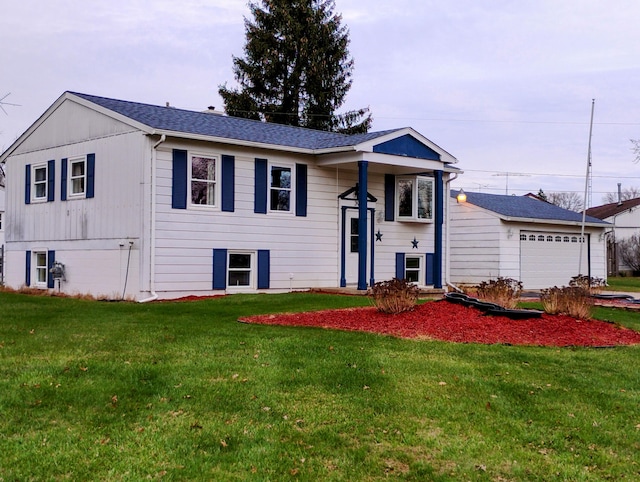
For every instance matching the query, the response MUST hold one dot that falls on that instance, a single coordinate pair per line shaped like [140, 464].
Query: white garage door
[551, 259]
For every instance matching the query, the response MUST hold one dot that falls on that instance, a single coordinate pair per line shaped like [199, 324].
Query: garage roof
[525, 208]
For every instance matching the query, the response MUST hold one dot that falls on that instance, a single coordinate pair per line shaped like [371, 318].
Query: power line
[511, 173]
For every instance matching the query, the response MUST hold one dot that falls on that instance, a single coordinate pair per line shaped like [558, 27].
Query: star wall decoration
[415, 243]
[379, 236]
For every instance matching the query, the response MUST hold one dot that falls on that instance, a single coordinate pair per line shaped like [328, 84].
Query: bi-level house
[123, 199]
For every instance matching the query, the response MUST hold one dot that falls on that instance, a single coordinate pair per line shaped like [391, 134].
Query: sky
[505, 86]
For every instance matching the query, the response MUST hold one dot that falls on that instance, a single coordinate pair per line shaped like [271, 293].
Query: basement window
[240, 270]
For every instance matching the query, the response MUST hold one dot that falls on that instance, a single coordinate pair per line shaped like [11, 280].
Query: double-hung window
[413, 268]
[39, 176]
[77, 180]
[280, 188]
[40, 268]
[415, 198]
[203, 170]
[240, 270]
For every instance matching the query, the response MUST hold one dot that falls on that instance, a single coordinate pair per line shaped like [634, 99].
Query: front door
[351, 238]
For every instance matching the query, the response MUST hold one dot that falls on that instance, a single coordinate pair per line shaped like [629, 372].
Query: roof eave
[512, 219]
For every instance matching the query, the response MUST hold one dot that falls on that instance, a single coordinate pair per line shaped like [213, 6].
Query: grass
[623, 283]
[181, 391]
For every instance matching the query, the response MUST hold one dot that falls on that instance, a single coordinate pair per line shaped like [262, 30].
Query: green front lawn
[623, 283]
[181, 391]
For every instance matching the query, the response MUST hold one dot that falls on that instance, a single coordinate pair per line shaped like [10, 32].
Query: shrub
[551, 300]
[574, 301]
[394, 296]
[501, 291]
[592, 285]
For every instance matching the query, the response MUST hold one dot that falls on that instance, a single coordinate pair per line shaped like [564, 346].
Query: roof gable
[407, 145]
[525, 207]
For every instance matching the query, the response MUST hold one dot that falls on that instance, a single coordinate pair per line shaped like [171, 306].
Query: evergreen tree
[296, 69]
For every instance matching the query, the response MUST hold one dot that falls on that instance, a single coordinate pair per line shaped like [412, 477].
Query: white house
[522, 238]
[143, 201]
[624, 217]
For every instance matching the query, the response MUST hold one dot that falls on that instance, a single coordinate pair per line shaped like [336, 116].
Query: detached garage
[523, 238]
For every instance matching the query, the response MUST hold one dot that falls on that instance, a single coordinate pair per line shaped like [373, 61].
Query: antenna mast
[587, 184]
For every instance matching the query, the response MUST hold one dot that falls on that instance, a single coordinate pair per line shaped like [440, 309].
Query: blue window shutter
[260, 187]
[27, 270]
[389, 196]
[51, 180]
[63, 179]
[228, 183]
[429, 268]
[301, 189]
[51, 257]
[179, 180]
[91, 175]
[27, 186]
[400, 265]
[264, 269]
[219, 269]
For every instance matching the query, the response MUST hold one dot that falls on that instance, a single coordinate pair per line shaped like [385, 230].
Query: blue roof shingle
[524, 207]
[217, 125]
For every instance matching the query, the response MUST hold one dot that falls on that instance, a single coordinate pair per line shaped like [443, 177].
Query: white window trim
[1, 228]
[70, 193]
[253, 275]
[292, 196]
[34, 268]
[34, 168]
[217, 183]
[420, 270]
[414, 199]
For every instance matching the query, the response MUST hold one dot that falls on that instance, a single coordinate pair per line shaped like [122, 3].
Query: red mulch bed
[446, 321]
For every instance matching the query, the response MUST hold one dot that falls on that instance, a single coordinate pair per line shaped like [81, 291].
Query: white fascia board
[32, 127]
[411, 163]
[551, 221]
[231, 141]
[72, 98]
[110, 113]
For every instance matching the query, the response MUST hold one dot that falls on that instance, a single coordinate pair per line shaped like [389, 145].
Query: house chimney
[619, 194]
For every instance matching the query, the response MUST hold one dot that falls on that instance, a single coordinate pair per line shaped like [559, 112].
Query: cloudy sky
[506, 86]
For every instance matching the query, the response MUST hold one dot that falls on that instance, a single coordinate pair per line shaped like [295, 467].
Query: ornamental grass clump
[592, 285]
[394, 296]
[574, 301]
[501, 291]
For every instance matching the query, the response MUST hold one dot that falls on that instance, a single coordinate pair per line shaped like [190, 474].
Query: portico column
[439, 221]
[362, 224]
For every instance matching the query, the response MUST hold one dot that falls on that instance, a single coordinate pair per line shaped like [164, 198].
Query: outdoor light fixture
[461, 197]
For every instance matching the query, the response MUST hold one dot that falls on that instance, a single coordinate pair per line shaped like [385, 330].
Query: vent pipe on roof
[619, 194]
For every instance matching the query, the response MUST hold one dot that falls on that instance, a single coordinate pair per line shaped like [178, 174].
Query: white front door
[352, 237]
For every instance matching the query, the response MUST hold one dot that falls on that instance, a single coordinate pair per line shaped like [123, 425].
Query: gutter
[152, 237]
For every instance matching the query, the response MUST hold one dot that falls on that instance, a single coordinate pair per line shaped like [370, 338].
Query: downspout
[152, 237]
[447, 234]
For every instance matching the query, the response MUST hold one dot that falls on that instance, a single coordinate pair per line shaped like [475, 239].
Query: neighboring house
[146, 202]
[624, 217]
[522, 238]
